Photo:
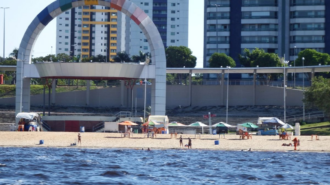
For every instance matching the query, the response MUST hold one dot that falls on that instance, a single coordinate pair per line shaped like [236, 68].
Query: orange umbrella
[127, 123]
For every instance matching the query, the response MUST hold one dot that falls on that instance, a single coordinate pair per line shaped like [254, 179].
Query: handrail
[123, 114]
[46, 126]
[98, 126]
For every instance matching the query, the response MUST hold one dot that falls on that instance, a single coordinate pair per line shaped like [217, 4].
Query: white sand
[137, 141]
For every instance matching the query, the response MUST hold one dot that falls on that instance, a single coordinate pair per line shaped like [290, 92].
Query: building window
[66, 19]
[113, 32]
[60, 49]
[113, 14]
[85, 43]
[66, 31]
[172, 33]
[172, 41]
[113, 20]
[85, 25]
[66, 49]
[60, 42]
[85, 19]
[172, 26]
[172, 19]
[85, 50]
[85, 38]
[113, 51]
[172, 11]
[66, 43]
[113, 38]
[113, 44]
[145, 40]
[146, 11]
[66, 37]
[146, 4]
[67, 12]
[85, 31]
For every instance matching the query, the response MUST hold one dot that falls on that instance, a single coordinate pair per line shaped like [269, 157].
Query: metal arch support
[58, 7]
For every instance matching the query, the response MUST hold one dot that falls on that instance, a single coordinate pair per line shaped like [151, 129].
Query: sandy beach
[138, 141]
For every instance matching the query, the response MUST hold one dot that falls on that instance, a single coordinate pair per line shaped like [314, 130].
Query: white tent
[266, 120]
[287, 126]
[27, 115]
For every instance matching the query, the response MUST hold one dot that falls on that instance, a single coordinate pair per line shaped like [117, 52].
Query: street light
[284, 88]
[4, 30]
[294, 61]
[303, 61]
[228, 67]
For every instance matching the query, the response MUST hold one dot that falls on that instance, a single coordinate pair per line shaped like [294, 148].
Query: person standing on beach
[189, 143]
[79, 139]
[181, 144]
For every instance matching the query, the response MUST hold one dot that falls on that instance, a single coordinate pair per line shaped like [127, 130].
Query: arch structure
[158, 99]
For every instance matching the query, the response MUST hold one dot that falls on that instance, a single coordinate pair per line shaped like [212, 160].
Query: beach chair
[247, 135]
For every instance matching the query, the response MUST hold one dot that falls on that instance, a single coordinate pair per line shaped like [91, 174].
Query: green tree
[122, 57]
[141, 57]
[221, 59]
[249, 57]
[312, 58]
[14, 53]
[318, 95]
[179, 56]
[63, 57]
[267, 60]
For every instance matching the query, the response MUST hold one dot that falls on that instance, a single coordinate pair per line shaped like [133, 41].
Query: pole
[4, 31]
[135, 106]
[303, 60]
[132, 100]
[145, 99]
[44, 101]
[210, 123]
[227, 96]
[284, 92]
[48, 100]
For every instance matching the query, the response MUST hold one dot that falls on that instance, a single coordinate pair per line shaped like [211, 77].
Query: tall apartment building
[285, 27]
[87, 31]
[170, 17]
[97, 30]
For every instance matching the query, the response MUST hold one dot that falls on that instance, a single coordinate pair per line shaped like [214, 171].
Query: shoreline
[162, 142]
[155, 148]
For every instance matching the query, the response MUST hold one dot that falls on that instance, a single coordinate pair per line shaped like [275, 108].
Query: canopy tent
[127, 123]
[249, 125]
[27, 115]
[150, 123]
[222, 124]
[198, 124]
[287, 126]
[270, 121]
[174, 123]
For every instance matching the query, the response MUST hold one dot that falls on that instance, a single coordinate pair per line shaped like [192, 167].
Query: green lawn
[7, 91]
[316, 128]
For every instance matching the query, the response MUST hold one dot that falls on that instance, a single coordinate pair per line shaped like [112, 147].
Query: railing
[307, 3]
[218, 29]
[123, 114]
[259, 29]
[307, 16]
[258, 17]
[219, 17]
[307, 41]
[218, 42]
[218, 5]
[305, 29]
[98, 126]
[259, 41]
[46, 126]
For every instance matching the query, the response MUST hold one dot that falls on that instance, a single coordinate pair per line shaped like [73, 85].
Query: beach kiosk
[29, 121]
[269, 125]
[162, 120]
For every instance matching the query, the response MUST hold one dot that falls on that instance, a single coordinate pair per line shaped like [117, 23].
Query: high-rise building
[285, 27]
[170, 17]
[97, 30]
[87, 31]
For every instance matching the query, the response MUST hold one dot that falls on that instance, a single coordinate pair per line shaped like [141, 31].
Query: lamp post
[4, 30]
[294, 64]
[228, 67]
[284, 88]
[303, 61]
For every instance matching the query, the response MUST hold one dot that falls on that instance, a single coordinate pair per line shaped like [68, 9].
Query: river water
[125, 166]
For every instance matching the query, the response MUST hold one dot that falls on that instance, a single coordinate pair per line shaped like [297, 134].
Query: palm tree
[141, 57]
[122, 57]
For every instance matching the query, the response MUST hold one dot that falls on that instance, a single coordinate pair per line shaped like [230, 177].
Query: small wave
[114, 166]
[279, 176]
[42, 176]
[68, 155]
[2, 165]
[114, 173]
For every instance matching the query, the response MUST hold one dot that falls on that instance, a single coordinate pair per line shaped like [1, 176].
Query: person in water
[181, 144]
[79, 138]
[189, 143]
[149, 149]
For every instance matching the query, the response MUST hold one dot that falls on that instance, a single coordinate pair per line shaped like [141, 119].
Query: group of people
[189, 145]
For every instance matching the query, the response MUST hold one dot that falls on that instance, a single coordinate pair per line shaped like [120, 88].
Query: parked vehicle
[29, 121]
[143, 83]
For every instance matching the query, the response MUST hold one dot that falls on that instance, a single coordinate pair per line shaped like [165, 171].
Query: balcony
[219, 17]
[218, 5]
[307, 16]
[307, 3]
[305, 29]
[219, 29]
[259, 41]
[259, 4]
[259, 17]
[307, 41]
[259, 29]
[218, 42]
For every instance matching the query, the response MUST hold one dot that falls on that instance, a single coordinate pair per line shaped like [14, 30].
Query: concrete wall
[202, 95]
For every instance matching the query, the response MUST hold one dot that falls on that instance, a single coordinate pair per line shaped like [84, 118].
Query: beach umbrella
[248, 125]
[150, 123]
[222, 124]
[127, 123]
[174, 123]
[287, 126]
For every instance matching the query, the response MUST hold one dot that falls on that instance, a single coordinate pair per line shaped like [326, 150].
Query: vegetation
[141, 57]
[316, 128]
[259, 57]
[122, 57]
[312, 58]
[318, 94]
[180, 56]
[221, 59]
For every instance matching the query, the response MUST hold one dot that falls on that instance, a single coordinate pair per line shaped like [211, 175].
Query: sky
[21, 13]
